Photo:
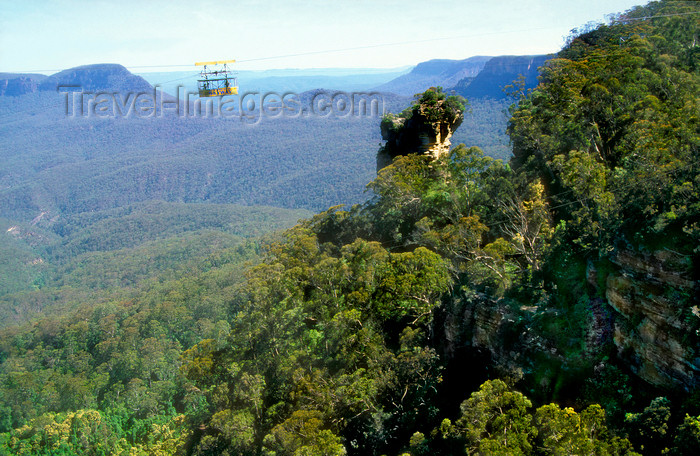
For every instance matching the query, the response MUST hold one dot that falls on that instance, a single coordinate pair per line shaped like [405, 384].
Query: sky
[155, 35]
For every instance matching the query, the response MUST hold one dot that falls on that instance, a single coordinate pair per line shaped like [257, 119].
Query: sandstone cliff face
[655, 320]
[500, 72]
[650, 313]
[417, 134]
[503, 333]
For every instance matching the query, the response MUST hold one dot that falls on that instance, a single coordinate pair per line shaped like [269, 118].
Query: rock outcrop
[656, 320]
[650, 313]
[425, 128]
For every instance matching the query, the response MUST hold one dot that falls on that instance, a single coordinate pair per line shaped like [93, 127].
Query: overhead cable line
[370, 46]
[324, 51]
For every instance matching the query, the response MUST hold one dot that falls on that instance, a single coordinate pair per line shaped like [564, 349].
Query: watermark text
[249, 107]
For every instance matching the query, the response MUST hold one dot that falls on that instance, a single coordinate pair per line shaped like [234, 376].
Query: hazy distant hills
[103, 76]
[475, 77]
[284, 80]
[433, 73]
[56, 164]
[34, 76]
[301, 83]
[61, 164]
[14, 84]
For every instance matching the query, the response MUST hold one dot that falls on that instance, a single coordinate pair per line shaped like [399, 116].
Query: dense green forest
[547, 305]
[53, 265]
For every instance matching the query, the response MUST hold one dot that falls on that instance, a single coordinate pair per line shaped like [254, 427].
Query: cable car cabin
[216, 81]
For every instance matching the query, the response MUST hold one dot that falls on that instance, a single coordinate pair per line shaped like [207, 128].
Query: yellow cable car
[217, 81]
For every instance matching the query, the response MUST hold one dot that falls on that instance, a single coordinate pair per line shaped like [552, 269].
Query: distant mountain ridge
[35, 76]
[500, 72]
[433, 73]
[114, 77]
[476, 77]
[101, 76]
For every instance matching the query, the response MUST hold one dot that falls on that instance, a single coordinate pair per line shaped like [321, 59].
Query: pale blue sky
[58, 34]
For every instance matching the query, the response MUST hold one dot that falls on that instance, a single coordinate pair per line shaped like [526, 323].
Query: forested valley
[547, 305]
